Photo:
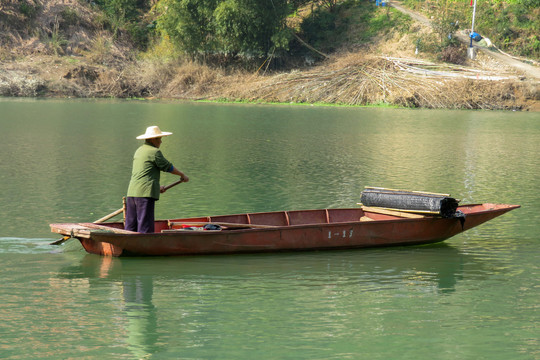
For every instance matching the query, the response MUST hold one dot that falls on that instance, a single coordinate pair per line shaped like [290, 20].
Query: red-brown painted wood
[287, 231]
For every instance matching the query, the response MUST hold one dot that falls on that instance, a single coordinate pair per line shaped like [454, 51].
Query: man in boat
[144, 188]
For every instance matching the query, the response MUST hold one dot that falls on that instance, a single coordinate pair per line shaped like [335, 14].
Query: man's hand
[183, 176]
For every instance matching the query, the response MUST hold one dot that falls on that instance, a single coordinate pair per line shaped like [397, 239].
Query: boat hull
[380, 230]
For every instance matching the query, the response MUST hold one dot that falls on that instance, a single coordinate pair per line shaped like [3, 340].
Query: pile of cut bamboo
[387, 81]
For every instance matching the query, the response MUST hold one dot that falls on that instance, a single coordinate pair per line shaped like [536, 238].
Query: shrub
[454, 54]
[28, 10]
[69, 16]
[318, 28]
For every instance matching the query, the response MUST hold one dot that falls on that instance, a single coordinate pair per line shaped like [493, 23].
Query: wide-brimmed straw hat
[153, 132]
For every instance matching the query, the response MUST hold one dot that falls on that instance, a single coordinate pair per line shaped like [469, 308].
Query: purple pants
[140, 214]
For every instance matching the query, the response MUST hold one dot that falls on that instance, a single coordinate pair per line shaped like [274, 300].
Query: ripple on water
[16, 245]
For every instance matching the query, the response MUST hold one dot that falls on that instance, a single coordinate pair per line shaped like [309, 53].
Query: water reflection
[141, 315]
[197, 300]
[439, 266]
[434, 265]
[137, 292]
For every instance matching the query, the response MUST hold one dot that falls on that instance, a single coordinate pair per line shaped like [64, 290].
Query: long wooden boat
[279, 231]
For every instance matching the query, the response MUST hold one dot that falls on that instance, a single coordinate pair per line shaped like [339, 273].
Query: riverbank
[386, 71]
[347, 79]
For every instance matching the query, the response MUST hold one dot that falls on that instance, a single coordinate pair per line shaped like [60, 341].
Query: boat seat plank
[366, 218]
[84, 229]
[107, 228]
[385, 211]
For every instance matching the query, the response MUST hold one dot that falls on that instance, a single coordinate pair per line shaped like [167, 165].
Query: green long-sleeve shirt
[148, 162]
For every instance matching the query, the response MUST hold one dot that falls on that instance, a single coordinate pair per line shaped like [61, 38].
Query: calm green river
[475, 296]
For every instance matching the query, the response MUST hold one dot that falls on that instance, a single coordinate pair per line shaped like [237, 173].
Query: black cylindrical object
[410, 200]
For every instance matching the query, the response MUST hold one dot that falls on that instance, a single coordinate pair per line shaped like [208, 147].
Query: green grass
[353, 22]
[378, 21]
[319, 104]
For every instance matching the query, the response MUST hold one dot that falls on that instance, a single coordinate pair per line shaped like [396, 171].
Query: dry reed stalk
[372, 81]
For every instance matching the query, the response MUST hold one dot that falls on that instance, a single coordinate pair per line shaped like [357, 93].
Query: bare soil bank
[385, 72]
[348, 79]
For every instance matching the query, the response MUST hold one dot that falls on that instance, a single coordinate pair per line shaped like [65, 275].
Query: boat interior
[265, 219]
[284, 218]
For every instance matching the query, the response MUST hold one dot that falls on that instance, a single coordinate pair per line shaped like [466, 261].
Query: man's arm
[175, 171]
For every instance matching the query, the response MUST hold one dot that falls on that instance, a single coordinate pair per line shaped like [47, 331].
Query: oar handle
[167, 187]
[111, 215]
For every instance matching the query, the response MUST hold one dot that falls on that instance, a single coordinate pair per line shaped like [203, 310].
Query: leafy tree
[230, 27]
[189, 24]
[123, 11]
[127, 14]
[249, 26]
[330, 4]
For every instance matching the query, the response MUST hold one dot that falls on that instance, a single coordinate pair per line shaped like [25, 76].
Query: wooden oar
[113, 214]
[62, 240]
